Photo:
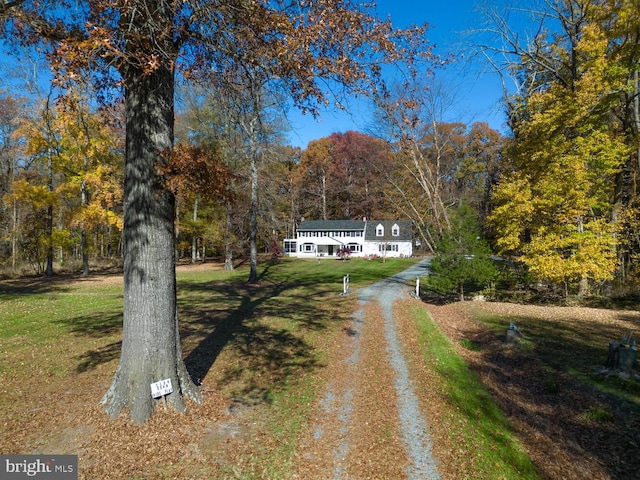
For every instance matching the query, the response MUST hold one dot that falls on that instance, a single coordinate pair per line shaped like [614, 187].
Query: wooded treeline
[62, 171]
[558, 191]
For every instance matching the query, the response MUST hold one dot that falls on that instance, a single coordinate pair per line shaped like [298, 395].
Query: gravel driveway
[369, 423]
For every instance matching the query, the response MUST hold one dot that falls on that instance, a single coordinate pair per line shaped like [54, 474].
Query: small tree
[462, 256]
[344, 253]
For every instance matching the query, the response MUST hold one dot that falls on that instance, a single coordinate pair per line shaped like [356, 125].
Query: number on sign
[161, 388]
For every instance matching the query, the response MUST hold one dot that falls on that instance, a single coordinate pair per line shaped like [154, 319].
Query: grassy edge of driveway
[474, 434]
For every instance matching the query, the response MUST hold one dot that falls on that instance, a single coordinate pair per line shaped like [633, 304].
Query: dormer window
[379, 230]
[395, 230]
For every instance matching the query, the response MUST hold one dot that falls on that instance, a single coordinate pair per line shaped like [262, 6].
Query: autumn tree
[87, 157]
[585, 52]
[357, 184]
[11, 153]
[312, 179]
[248, 128]
[282, 192]
[207, 122]
[254, 113]
[477, 170]
[143, 43]
[411, 117]
[195, 173]
[342, 176]
[77, 153]
[31, 200]
[554, 207]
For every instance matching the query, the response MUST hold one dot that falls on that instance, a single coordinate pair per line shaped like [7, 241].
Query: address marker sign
[161, 388]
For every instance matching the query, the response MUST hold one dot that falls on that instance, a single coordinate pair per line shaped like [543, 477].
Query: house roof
[313, 225]
[369, 228]
[403, 225]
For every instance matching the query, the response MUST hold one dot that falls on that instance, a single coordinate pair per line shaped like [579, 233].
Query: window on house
[307, 248]
[354, 247]
[395, 230]
[379, 231]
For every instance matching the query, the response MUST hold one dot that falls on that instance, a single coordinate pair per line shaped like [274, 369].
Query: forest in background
[558, 193]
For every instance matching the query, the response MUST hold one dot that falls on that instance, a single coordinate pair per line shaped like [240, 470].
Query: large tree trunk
[151, 343]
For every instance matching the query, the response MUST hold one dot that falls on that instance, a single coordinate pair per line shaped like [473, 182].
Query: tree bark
[253, 271]
[49, 267]
[83, 233]
[620, 357]
[151, 342]
[194, 237]
[228, 245]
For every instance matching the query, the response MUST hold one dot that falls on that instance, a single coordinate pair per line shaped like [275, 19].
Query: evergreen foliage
[463, 258]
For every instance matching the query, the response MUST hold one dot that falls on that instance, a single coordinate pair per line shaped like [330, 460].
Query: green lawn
[261, 345]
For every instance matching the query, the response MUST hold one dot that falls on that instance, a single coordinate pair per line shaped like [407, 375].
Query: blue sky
[477, 95]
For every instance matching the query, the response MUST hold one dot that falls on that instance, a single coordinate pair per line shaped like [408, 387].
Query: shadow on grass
[58, 283]
[545, 383]
[14, 288]
[92, 358]
[264, 327]
[97, 325]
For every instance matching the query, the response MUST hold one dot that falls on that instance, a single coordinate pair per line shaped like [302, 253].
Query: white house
[324, 238]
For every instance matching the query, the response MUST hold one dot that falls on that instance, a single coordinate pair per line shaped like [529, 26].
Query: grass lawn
[258, 349]
[248, 345]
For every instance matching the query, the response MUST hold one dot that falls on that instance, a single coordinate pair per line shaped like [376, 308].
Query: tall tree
[411, 117]
[11, 152]
[356, 181]
[146, 41]
[566, 45]
[207, 121]
[554, 208]
[313, 176]
[342, 176]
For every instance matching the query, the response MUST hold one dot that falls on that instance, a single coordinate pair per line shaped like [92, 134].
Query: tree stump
[512, 334]
[621, 357]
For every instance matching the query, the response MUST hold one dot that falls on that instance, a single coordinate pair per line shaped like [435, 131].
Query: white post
[345, 284]
[418, 287]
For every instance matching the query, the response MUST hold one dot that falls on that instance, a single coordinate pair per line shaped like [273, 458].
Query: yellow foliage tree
[553, 208]
[80, 152]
